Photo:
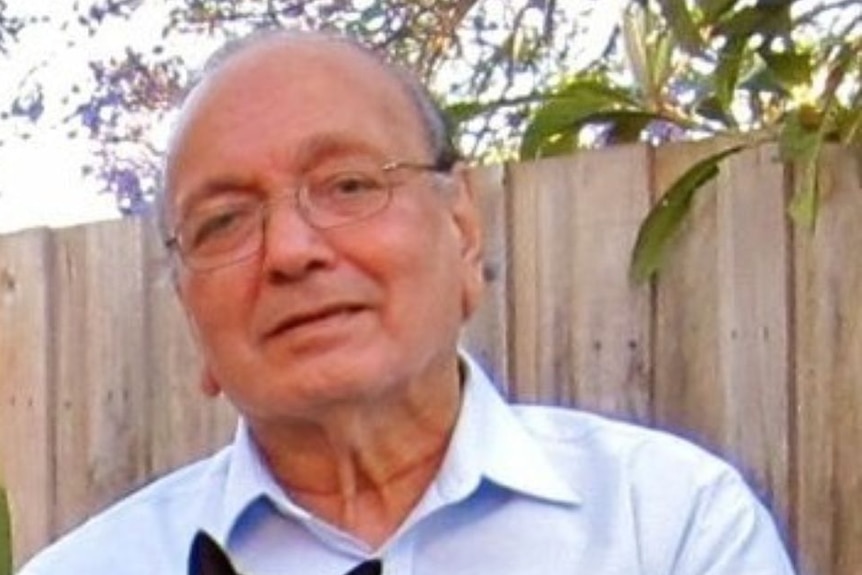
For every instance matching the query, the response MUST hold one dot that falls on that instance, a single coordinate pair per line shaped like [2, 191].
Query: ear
[208, 383]
[208, 558]
[468, 221]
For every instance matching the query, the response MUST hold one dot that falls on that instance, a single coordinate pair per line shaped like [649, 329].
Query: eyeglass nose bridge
[270, 236]
[297, 196]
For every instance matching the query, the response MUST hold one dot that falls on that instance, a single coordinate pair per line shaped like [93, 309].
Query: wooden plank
[722, 318]
[556, 366]
[102, 384]
[754, 321]
[486, 335]
[183, 424]
[829, 377]
[580, 331]
[532, 186]
[609, 317]
[26, 355]
[686, 362]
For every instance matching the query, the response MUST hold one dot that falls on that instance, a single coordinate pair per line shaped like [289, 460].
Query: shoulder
[678, 503]
[627, 447]
[147, 532]
[628, 467]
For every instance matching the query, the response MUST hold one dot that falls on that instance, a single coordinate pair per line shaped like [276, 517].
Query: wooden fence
[750, 343]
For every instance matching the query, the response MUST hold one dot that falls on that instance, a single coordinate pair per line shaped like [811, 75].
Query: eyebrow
[332, 144]
[213, 187]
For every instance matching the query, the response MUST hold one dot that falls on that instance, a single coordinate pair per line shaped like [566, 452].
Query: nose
[292, 247]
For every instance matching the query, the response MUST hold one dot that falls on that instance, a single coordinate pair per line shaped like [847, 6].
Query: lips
[316, 316]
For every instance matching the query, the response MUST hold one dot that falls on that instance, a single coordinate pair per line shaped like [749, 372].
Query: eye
[345, 195]
[218, 227]
[351, 184]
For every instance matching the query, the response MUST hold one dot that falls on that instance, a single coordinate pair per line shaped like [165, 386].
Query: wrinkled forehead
[289, 75]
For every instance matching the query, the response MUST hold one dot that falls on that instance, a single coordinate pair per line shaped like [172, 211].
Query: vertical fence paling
[827, 378]
[749, 343]
[101, 379]
[723, 322]
[26, 348]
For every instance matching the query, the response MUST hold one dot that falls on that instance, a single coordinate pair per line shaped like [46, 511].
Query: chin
[328, 380]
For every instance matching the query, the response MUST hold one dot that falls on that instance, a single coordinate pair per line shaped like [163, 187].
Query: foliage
[786, 71]
[5, 535]
[520, 80]
[461, 47]
[662, 222]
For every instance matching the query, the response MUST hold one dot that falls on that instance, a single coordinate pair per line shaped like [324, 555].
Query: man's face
[319, 317]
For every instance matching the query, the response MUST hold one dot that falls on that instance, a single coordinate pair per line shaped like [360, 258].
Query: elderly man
[328, 251]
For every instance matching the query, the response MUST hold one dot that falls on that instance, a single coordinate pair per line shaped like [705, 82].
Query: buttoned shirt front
[522, 490]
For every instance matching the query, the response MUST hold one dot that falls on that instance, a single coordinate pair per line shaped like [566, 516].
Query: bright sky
[40, 177]
[36, 174]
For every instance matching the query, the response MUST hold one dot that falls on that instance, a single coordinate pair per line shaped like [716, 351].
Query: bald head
[295, 58]
[426, 107]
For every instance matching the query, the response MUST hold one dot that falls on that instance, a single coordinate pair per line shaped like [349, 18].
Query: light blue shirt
[522, 490]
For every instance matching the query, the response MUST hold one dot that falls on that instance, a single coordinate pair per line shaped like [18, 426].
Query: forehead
[296, 80]
[272, 103]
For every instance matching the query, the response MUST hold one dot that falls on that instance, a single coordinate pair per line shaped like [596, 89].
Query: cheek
[216, 303]
[420, 273]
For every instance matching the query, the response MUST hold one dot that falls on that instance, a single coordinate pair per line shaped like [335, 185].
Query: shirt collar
[249, 481]
[489, 442]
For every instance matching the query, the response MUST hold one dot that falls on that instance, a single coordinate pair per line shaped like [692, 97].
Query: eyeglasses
[229, 233]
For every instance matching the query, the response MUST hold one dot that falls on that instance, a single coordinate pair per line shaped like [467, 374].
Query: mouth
[316, 317]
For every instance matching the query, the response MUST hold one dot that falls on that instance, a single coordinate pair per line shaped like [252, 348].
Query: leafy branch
[756, 73]
[514, 77]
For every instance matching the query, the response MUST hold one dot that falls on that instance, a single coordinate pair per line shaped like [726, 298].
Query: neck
[408, 469]
[364, 466]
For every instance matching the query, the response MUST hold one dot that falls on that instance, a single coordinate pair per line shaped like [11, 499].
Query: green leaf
[461, 112]
[666, 217]
[715, 9]
[559, 145]
[790, 69]
[625, 126]
[760, 79]
[662, 68]
[568, 108]
[800, 142]
[5, 535]
[800, 135]
[767, 19]
[726, 74]
[599, 88]
[634, 35]
[803, 206]
[681, 22]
